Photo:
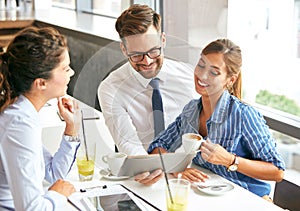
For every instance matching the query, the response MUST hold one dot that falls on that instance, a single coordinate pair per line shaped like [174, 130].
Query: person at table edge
[125, 95]
[34, 69]
[238, 144]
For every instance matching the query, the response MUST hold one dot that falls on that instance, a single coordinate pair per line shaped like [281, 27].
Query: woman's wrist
[70, 130]
[230, 161]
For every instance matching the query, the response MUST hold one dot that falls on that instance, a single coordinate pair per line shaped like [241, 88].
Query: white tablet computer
[173, 162]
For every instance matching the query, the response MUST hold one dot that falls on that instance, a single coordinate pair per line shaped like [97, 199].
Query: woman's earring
[229, 88]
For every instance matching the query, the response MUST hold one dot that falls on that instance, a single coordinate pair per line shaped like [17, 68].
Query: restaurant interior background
[268, 32]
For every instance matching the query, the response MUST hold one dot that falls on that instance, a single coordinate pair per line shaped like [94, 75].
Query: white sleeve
[119, 122]
[22, 158]
[59, 165]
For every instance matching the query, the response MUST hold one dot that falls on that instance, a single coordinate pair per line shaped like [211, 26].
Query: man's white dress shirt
[125, 100]
[25, 163]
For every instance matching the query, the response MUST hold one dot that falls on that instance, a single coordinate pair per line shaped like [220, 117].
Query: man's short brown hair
[136, 20]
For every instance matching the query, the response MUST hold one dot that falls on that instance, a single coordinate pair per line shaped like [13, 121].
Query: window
[268, 33]
[113, 8]
[70, 4]
[109, 8]
[269, 44]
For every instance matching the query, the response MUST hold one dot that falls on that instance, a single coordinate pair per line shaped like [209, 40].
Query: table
[237, 199]
[96, 130]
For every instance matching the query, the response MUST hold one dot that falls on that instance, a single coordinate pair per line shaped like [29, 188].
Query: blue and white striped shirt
[237, 127]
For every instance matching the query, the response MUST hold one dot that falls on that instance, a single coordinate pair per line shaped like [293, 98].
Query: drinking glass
[179, 189]
[85, 159]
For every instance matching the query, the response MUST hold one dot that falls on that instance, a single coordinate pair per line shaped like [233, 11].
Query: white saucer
[217, 191]
[105, 173]
[115, 178]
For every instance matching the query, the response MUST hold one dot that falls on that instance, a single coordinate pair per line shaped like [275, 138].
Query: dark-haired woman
[34, 69]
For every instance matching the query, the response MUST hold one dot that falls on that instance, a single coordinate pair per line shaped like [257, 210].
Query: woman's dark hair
[32, 54]
[233, 59]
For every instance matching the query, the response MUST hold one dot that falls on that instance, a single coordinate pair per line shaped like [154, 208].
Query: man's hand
[148, 178]
[193, 175]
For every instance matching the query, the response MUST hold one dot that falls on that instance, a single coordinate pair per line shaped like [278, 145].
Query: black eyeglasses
[152, 54]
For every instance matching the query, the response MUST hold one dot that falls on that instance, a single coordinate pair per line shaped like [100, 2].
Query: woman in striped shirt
[239, 145]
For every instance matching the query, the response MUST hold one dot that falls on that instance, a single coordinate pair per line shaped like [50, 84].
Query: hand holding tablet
[174, 162]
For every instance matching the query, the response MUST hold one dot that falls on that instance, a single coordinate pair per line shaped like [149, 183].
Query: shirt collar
[220, 112]
[192, 113]
[28, 103]
[162, 75]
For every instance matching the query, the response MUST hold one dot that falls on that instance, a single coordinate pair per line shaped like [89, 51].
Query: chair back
[287, 195]
[96, 70]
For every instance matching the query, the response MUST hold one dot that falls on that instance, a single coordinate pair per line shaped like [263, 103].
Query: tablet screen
[115, 202]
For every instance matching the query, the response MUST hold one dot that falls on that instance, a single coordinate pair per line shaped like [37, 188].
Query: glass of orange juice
[85, 159]
[177, 194]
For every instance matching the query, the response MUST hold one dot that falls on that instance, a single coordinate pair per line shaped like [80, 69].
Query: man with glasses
[126, 96]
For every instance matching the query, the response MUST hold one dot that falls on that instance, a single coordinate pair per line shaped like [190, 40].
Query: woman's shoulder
[21, 111]
[243, 107]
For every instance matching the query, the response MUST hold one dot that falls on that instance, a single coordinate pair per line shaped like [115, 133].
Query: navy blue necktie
[157, 106]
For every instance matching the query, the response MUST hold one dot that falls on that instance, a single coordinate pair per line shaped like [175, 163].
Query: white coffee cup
[114, 161]
[191, 142]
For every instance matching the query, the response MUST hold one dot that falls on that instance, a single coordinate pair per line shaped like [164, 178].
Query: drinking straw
[178, 183]
[179, 177]
[165, 173]
[84, 137]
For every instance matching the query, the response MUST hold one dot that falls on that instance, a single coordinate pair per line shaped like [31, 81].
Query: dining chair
[287, 195]
[95, 70]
